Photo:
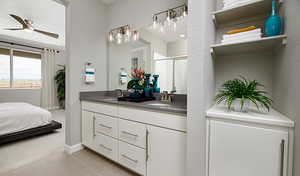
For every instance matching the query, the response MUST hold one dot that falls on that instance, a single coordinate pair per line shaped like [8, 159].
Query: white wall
[286, 83]
[257, 66]
[201, 33]
[86, 42]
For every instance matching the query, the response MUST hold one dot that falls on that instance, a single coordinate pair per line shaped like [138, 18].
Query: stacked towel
[233, 3]
[254, 34]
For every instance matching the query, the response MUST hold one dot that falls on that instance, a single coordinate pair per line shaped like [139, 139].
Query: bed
[23, 120]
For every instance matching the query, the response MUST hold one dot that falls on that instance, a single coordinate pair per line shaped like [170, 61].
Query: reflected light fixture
[122, 34]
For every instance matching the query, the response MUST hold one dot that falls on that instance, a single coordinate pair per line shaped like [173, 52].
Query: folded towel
[235, 3]
[240, 40]
[250, 28]
[243, 34]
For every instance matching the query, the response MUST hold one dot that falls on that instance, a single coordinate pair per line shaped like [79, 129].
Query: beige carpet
[44, 156]
[26, 151]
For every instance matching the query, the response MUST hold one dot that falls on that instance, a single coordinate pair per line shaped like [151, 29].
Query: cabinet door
[236, 150]
[87, 128]
[166, 152]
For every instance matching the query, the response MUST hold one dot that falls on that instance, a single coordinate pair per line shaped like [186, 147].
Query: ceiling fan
[27, 26]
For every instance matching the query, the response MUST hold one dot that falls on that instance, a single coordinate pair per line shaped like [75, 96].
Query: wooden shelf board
[250, 9]
[263, 44]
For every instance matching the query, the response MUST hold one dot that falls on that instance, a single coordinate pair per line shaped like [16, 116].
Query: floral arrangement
[138, 75]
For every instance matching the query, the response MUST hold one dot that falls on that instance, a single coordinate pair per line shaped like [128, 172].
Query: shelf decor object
[246, 10]
[273, 25]
[238, 93]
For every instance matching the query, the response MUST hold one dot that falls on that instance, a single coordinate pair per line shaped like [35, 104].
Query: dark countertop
[178, 106]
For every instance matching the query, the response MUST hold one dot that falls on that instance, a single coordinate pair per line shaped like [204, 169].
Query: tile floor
[44, 156]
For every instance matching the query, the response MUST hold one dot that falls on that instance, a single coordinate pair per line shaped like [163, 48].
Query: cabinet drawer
[106, 146]
[106, 125]
[132, 157]
[166, 120]
[132, 133]
[107, 109]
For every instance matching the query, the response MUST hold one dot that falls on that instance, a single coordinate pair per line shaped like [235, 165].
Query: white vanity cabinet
[248, 144]
[166, 152]
[149, 143]
[87, 128]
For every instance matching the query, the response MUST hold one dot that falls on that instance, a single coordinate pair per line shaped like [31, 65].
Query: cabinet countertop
[155, 105]
[268, 118]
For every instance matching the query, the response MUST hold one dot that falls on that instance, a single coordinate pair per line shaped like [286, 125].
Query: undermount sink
[159, 104]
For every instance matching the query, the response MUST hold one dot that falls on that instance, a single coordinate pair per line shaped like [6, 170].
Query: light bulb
[136, 35]
[119, 35]
[111, 37]
[155, 23]
[119, 40]
[128, 31]
[168, 15]
[162, 29]
[174, 26]
[185, 11]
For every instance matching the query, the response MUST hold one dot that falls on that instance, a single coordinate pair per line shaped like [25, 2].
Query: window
[20, 70]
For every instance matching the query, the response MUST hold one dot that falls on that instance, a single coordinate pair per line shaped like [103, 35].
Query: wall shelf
[250, 9]
[263, 44]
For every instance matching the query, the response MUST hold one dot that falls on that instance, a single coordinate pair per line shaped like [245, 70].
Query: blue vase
[273, 24]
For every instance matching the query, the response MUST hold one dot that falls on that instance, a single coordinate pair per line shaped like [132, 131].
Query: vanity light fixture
[169, 18]
[123, 34]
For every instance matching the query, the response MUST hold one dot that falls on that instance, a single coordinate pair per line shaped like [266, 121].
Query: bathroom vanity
[148, 138]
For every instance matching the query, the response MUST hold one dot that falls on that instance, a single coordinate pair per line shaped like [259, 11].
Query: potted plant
[60, 83]
[238, 94]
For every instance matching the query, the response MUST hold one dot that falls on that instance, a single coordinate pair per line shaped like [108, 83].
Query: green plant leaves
[60, 83]
[245, 90]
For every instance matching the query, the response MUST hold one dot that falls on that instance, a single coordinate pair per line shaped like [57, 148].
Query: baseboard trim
[74, 148]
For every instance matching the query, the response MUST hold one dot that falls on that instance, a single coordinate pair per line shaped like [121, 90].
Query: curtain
[48, 93]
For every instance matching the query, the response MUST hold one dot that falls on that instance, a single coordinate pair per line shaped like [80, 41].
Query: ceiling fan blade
[14, 29]
[47, 33]
[19, 19]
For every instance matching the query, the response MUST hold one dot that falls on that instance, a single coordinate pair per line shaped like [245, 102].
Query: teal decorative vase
[273, 24]
[148, 90]
[136, 87]
[155, 83]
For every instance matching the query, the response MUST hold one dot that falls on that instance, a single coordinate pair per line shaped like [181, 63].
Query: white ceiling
[170, 35]
[47, 15]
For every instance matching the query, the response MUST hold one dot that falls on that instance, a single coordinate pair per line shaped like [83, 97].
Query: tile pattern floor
[44, 156]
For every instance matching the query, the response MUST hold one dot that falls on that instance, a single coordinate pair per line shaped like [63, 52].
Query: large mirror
[160, 50]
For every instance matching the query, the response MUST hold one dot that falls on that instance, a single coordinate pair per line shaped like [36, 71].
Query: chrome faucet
[119, 92]
[166, 97]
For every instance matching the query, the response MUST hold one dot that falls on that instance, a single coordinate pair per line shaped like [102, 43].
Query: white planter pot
[237, 105]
